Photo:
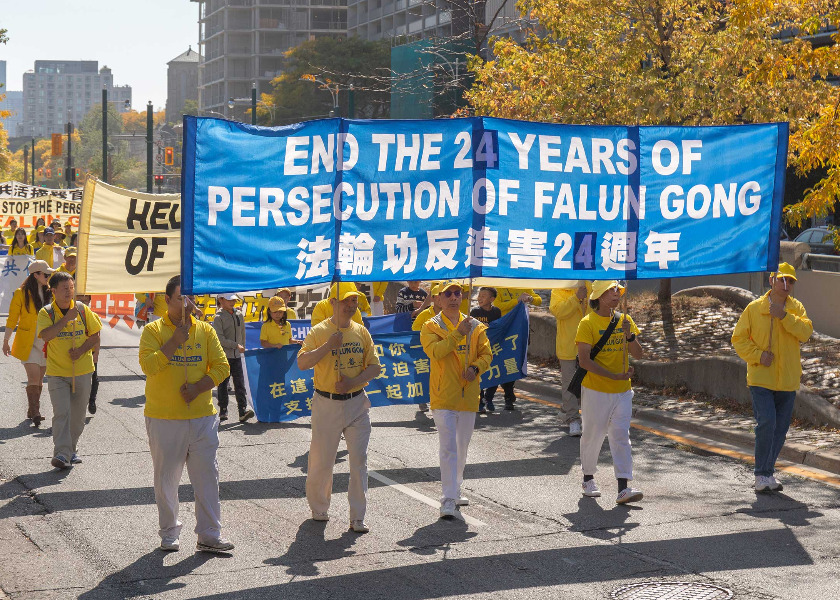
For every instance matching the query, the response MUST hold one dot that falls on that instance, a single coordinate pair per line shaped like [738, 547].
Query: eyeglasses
[449, 293]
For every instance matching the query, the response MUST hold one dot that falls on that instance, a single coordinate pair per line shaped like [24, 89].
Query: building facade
[58, 91]
[13, 102]
[181, 84]
[244, 41]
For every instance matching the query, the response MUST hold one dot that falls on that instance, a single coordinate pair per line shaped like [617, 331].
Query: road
[91, 532]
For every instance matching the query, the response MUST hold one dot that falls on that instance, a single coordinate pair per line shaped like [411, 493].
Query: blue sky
[135, 39]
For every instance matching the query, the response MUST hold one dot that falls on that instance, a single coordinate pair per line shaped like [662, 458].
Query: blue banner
[384, 200]
[282, 392]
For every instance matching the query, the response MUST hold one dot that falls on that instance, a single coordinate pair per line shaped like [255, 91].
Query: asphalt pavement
[91, 532]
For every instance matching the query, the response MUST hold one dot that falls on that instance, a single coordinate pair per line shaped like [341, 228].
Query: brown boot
[33, 395]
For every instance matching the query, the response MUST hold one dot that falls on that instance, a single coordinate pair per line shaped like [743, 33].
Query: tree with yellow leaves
[675, 62]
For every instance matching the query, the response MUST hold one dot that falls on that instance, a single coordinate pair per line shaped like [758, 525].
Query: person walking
[70, 331]
[69, 264]
[19, 245]
[324, 309]
[341, 352]
[767, 337]
[47, 250]
[276, 331]
[569, 306]
[607, 397]
[506, 300]
[28, 348]
[230, 328]
[486, 313]
[183, 361]
[458, 352]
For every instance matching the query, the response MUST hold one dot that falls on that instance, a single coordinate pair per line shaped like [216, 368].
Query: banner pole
[183, 317]
[73, 345]
[625, 360]
[469, 334]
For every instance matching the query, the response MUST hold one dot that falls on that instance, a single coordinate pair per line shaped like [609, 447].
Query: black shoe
[490, 406]
[244, 416]
[92, 407]
[509, 405]
[481, 409]
[222, 415]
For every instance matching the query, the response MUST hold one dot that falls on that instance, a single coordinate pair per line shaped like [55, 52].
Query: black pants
[510, 396]
[94, 384]
[238, 387]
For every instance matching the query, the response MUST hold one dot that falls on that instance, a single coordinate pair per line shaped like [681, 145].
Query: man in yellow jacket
[569, 306]
[324, 309]
[183, 361]
[456, 363]
[506, 299]
[767, 337]
[46, 251]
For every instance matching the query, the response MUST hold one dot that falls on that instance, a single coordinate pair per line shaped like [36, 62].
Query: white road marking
[424, 499]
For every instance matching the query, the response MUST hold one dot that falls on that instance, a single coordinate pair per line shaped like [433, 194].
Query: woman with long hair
[28, 348]
[276, 331]
[20, 245]
[33, 237]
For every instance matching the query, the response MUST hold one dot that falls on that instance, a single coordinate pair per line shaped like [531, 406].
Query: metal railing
[821, 262]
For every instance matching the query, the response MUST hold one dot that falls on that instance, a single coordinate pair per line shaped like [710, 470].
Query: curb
[791, 451]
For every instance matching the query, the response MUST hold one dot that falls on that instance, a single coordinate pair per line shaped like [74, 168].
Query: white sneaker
[320, 516]
[462, 501]
[447, 509]
[575, 429]
[775, 484]
[170, 545]
[359, 526]
[762, 483]
[218, 546]
[629, 495]
[590, 488]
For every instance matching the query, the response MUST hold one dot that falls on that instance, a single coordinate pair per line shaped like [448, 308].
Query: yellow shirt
[611, 356]
[46, 252]
[355, 355]
[446, 349]
[422, 317]
[73, 335]
[751, 337]
[273, 333]
[324, 310]
[164, 377]
[63, 268]
[507, 298]
[290, 314]
[16, 250]
[378, 288]
[159, 307]
[568, 310]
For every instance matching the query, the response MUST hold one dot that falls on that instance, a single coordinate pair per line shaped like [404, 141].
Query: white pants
[571, 405]
[174, 443]
[69, 411]
[331, 418]
[606, 415]
[455, 428]
[377, 309]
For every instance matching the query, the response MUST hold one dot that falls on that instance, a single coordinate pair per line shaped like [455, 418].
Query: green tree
[87, 154]
[664, 62]
[339, 62]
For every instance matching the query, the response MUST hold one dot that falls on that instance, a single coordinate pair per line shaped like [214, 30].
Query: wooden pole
[73, 345]
[469, 333]
[626, 362]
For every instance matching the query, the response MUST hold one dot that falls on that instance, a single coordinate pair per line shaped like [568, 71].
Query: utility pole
[351, 102]
[25, 163]
[254, 103]
[68, 171]
[104, 134]
[150, 123]
[33, 161]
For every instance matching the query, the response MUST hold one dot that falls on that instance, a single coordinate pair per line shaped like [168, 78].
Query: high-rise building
[13, 102]
[58, 91]
[408, 19]
[181, 84]
[244, 42]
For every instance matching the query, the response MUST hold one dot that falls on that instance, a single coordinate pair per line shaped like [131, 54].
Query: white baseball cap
[228, 296]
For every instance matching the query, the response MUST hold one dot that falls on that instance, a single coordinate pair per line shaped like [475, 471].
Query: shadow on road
[311, 547]
[782, 507]
[437, 536]
[592, 520]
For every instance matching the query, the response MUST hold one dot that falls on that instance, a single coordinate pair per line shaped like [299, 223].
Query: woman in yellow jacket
[30, 298]
[767, 336]
[454, 387]
[569, 306]
[19, 245]
[276, 331]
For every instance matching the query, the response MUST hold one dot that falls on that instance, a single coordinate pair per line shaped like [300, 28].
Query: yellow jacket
[422, 317]
[751, 337]
[446, 349]
[379, 288]
[27, 250]
[568, 310]
[25, 318]
[164, 377]
[46, 252]
[506, 298]
[324, 310]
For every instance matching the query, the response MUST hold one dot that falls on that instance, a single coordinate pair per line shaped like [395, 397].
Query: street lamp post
[68, 170]
[336, 111]
[33, 161]
[150, 123]
[232, 102]
[105, 134]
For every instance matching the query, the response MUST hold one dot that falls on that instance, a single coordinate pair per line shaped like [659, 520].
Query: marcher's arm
[563, 308]
[437, 347]
[360, 380]
[635, 348]
[799, 326]
[226, 342]
[484, 355]
[307, 360]
[90, 343]
[218, 367]
[506, 305]
[743, 344]
[153, 358]
[590, 365]
[536, 299]
[49, 333]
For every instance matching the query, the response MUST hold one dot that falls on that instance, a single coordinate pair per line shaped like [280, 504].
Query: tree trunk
[664, 295]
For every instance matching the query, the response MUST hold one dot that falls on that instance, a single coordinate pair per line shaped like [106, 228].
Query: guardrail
[821, 262]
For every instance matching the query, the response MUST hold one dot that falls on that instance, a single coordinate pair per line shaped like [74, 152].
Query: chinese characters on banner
[27, 203]
[280, 391]
[477, 197]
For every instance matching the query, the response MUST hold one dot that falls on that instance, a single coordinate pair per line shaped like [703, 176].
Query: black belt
[338, 396]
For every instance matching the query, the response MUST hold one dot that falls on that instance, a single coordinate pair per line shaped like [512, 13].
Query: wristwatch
[631, 337]
[474, 368]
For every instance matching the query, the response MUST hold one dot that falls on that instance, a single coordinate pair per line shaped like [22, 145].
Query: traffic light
[77, 174]
[59, 172]
[40, 172]
[57, 144]
[169, 155]
[159, 180]
[49, 173]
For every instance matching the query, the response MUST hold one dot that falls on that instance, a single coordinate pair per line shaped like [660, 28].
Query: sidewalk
[715, 418]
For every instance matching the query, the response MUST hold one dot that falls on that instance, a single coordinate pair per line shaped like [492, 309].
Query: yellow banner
[129, 242]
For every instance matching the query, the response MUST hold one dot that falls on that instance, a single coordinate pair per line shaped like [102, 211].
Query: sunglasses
[450, 293]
